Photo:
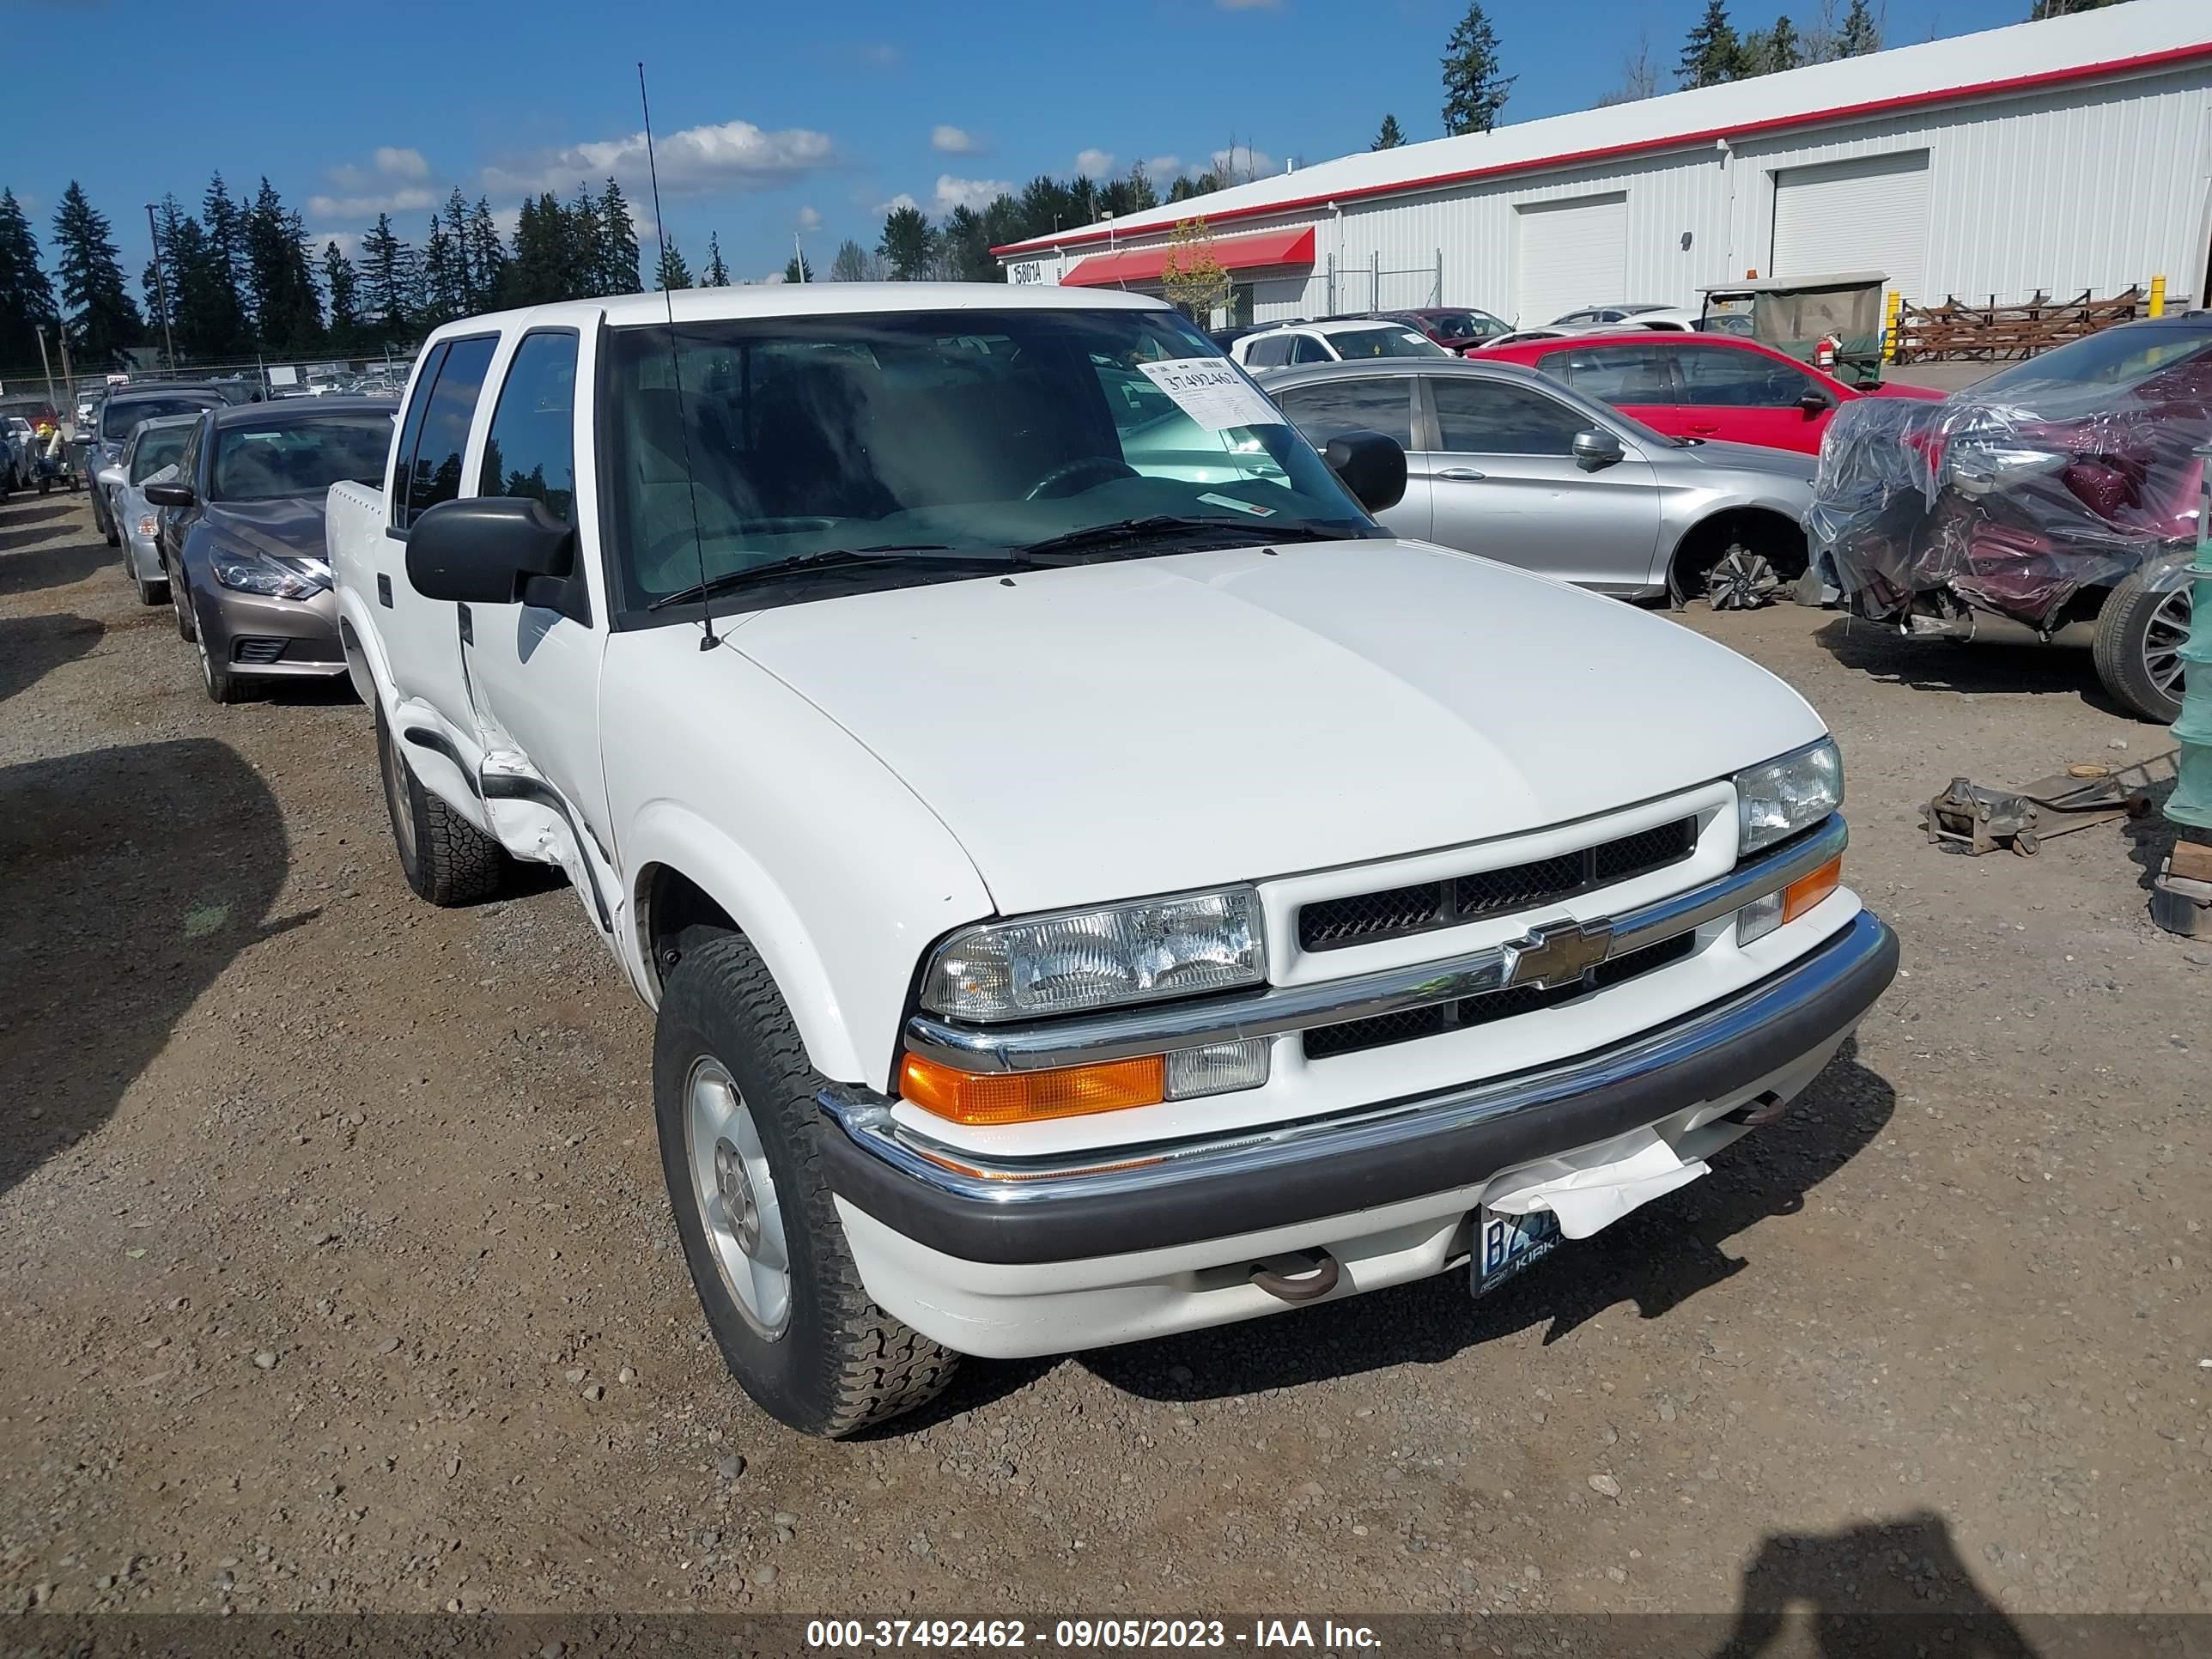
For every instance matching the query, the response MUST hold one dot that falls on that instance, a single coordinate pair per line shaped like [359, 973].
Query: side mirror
[168, 495]
[1596, 449]
[481, 551]
[1371, 466]
[1815, 401]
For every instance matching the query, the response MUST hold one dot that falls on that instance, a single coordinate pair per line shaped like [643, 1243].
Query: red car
[1698, 385]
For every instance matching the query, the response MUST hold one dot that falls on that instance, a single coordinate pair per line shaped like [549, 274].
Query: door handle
[1461, 475]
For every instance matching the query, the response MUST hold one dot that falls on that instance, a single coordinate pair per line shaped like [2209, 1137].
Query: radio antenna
[708, 641]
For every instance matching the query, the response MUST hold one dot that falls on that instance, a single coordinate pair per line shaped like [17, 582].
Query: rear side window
[411, 429]
[434, 470]
[531, 449]
[1384, 403]
[1614, 374]
[1271, 353]
[1306, 350]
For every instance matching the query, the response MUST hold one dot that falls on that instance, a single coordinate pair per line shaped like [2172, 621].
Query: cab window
[531, 450]
[432, 466]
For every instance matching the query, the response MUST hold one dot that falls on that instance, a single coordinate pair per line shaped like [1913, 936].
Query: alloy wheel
[735, 1195]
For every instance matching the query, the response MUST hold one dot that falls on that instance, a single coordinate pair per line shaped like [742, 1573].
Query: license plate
[1506, 1244]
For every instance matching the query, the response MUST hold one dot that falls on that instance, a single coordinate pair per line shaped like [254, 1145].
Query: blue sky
[770, 119]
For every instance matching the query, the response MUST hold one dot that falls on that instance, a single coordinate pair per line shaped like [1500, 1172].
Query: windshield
[1396, 340]
[2115, 357]
[965, 432]
[157, 448]
[299, 458]
[1464, 324]
[117, 419]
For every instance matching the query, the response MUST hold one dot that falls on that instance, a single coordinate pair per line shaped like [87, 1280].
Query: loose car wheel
[445, 859]
[2137, 649]
[740, 1138]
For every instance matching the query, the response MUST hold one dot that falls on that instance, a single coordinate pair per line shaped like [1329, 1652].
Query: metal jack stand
[2181, 897]
[1979, 819]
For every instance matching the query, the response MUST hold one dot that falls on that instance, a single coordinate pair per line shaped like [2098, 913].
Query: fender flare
[666, 834]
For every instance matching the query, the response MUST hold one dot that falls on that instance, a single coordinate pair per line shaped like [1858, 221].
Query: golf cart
[1833, 323]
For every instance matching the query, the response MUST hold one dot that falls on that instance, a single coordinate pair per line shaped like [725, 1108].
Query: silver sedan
[150, 455]
[1501, 462]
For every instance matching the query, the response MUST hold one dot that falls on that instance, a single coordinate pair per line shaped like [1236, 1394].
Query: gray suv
[1502, 462]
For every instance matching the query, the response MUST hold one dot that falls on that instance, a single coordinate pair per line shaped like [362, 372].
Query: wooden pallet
[1956, 332]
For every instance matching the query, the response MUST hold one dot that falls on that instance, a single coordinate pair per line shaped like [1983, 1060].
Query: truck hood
[1109, 731]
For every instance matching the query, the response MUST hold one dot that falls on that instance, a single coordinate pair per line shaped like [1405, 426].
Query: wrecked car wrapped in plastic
[2059, 495]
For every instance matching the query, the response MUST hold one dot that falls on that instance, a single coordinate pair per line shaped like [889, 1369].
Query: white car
[1349, 341]
[1083, 897]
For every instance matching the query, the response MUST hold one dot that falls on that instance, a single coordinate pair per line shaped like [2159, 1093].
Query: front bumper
[1159, 1197]
[280, 639]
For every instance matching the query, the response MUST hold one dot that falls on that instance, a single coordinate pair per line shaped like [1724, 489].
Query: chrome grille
[1353, 1036]
[1396, 911]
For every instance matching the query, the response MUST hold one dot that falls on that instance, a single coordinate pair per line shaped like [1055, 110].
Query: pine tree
[534, 274]
[1391, 135]
[444, 292]
[963, 249]
[795, 270]
[26, 295]
[454, 220]
[487, 256]
[1713, 53]
[1474, 90]
[717, 275]
[278, 275]
[617, 243]
[391, 270]
[851, 263]
[671, 273]
[908, 245]
[101, 319]
[201, 310]
[586, 246]
[229, 327]
[1860, 33]
[342, 284]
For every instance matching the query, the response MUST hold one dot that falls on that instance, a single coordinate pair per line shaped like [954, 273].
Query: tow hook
[1303, 1287]
[1758, 1112]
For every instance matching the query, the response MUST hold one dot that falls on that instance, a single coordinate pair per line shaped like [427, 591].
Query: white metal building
[2061, 155]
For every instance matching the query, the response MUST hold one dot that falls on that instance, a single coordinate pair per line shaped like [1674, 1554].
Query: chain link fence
[1371, 287]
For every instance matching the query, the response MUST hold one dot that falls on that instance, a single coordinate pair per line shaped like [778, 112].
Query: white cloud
[349, 243]
[408, 199]
[900, 200]
[389, 166]
[1095, 163]
[1244, 160]
[953, 192]
[810, 218]
[954, 141]
[1162, 166]
[733, 155]
[397, 163]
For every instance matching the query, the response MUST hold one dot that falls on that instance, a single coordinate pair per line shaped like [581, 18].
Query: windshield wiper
[1162, 525]
[834, 558]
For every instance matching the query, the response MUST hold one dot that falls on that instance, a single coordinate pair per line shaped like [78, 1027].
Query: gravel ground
[337, 1272]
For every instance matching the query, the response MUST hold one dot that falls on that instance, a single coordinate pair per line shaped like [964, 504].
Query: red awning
[1143, 265]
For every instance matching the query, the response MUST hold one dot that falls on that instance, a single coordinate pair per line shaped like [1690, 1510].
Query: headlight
[1773, 802]
[275, 579]
[1120, 953]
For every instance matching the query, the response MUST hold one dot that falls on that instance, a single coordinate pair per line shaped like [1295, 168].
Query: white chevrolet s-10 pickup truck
[1091, 881]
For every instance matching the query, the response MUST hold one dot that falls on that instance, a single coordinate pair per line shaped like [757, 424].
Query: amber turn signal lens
[1802, 894]
[1026, 1097]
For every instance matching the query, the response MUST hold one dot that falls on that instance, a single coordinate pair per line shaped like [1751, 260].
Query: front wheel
[740, 1136]
[2137, 649]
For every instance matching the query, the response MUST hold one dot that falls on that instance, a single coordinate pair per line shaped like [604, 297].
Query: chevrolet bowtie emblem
[1557, 952]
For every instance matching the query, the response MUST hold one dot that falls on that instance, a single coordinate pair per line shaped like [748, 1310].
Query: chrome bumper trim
[1079, 1040]
[1795, 992]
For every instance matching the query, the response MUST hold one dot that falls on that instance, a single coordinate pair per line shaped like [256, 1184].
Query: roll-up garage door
[1573, 253]
[1866, 214]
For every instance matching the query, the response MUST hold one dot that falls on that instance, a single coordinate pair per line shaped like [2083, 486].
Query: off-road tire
[2123, 627]
[445, 859]
[841, 1364]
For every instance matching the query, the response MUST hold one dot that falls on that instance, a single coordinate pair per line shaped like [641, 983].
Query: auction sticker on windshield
[1211, 392]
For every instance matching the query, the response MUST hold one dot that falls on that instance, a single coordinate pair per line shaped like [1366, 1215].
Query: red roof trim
[1247, 253]
[2149, 60]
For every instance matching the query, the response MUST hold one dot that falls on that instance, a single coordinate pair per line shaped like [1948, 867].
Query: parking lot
[339, 1272]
